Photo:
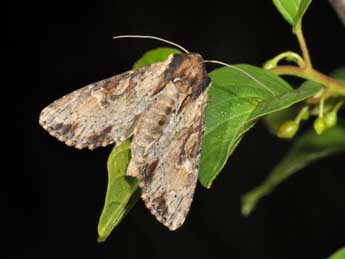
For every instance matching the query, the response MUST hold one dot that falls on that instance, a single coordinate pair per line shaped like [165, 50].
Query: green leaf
[339, 254]
[154, 56]
[237, 98]
[292, 10]
[306, 149]
[122, 191]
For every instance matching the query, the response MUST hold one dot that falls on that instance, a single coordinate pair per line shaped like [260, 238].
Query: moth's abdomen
[154, 120]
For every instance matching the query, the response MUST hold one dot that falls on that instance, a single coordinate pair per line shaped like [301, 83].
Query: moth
[162, 108]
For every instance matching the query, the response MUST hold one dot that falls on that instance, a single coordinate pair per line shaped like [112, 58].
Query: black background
[59, 192]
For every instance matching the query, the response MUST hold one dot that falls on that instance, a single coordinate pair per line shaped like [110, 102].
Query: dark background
[58, 192]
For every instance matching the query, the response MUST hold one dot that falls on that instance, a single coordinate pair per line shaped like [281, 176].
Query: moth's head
[188, 73]
[193, 57]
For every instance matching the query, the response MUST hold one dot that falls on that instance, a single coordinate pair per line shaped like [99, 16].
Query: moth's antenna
[154, 38]
[218, 62]
[236, 68]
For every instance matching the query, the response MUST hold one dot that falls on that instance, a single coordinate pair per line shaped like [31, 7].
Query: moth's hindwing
[104, 112]
[167, 143]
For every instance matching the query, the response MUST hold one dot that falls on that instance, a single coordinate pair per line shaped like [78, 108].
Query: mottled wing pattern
[104, 112]
[167, 143]
[163, 107]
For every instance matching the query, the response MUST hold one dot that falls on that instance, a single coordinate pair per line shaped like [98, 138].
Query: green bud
[270, 64]
[320, 125]
[330, 119]
[305, 115]
[288, 129]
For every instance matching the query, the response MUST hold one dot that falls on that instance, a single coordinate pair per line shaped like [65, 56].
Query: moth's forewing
[104, 112]
[166, 145]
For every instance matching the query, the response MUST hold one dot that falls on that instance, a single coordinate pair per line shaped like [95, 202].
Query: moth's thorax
[188, 73]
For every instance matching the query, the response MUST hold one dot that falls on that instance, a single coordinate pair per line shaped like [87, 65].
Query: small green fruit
[330, 119]
[288, 129]
[305, 116]
[320, 125]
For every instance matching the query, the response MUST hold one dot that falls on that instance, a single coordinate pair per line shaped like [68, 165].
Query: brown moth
[162, 107]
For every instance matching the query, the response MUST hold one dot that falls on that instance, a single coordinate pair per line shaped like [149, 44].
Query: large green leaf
[306, 149]
[122, 191]
[292, 10]
[339, 254]
[238, 97]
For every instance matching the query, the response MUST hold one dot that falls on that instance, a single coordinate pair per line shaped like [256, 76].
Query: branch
[303, 45]
[333, 86]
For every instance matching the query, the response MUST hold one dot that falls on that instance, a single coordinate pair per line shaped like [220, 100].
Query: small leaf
[292, 10]
[237, 98]
[339, 254]
[122, 191]
[306, 149]
[154, 56]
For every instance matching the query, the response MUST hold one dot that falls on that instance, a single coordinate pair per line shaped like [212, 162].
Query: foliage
[307, 148]
[122, 191]
[292, 10]
[339, 254]
[239, 97]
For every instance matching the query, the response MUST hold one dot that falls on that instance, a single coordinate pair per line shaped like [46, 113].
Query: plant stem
[302, 113]
[303, 45]
[288, 55]
[322, 102]
[337, 106]
[333, 86]
[305, 69]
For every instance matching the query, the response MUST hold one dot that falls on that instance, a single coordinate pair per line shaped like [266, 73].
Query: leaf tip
[247, 206]
[101, 239]
[206, 183]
